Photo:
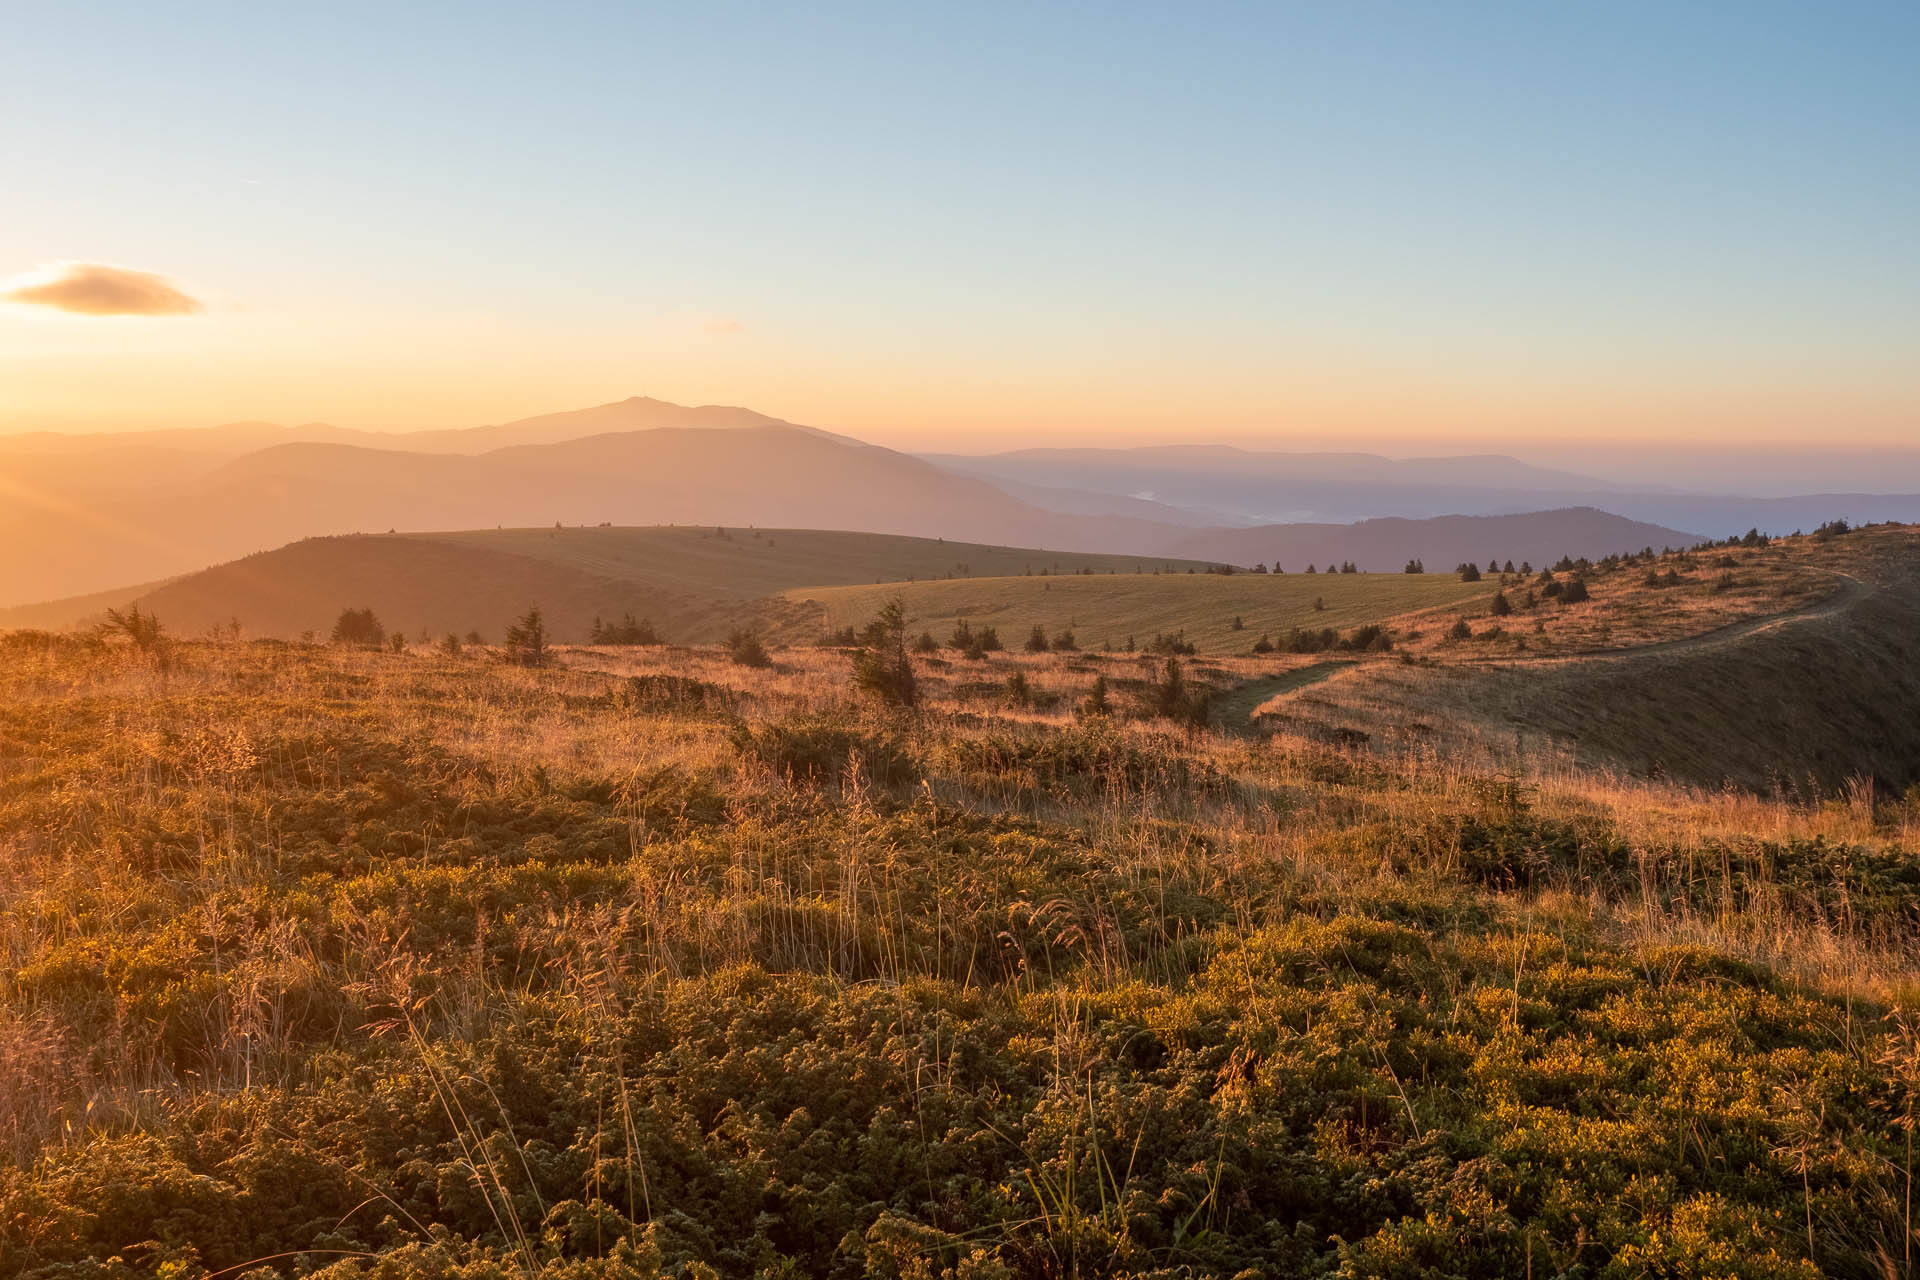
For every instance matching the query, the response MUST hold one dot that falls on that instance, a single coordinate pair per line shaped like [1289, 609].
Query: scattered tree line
[1063, 642]
[624, 632]
[1366, 639]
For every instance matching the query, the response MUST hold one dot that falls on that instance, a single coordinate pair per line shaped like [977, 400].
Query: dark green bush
[664, 691]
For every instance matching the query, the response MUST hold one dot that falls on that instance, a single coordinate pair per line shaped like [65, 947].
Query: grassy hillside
[1104, 609]
[1789, 669]
[693, 583]
[745, 562]
[1806, 702]
[423, 586]
[369, 965]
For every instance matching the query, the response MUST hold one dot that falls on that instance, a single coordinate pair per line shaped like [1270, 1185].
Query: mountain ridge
[1386, 543]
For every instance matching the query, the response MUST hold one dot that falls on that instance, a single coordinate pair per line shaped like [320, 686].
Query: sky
[1580, 230]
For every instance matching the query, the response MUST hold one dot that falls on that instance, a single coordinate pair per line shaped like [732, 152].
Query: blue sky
[1277, 222]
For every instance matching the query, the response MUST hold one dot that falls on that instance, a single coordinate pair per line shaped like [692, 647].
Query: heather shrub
[827, 748]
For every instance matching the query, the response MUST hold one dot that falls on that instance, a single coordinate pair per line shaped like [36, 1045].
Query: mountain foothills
[1387, 542]
[1219, 485]
[105, 511]
[1554, 920]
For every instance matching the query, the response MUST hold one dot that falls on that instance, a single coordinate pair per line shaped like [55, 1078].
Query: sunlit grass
[474, 966]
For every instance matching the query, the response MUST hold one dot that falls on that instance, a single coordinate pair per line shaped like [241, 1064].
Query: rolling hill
[695, 584]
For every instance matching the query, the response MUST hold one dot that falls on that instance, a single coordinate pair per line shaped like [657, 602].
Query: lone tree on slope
[882, 667]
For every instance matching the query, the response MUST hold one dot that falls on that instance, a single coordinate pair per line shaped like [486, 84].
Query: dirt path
[1236, 707]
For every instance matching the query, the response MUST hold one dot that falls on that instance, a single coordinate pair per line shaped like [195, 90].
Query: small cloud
[724, 328]
[95, 289]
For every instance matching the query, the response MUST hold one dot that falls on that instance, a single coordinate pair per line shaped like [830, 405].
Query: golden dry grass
[488, 882]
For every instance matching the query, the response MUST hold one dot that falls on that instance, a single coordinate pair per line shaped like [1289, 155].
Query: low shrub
[1093, 758]
[664, 691]
[827, 748]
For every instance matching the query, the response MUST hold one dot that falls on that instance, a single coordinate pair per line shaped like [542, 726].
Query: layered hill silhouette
[231, 439]
[99, 512]
[1233, 486]
[1219, 485]
[770, 475]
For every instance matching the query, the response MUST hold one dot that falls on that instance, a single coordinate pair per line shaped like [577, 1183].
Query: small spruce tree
[745, 650]
[1097, 702]
[882, 666]
[527, 640]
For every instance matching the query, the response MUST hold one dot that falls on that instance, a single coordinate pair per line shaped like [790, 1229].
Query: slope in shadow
[1802, 704]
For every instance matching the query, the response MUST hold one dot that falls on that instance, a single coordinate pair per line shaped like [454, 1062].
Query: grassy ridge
[1104, 609]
